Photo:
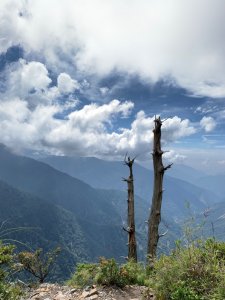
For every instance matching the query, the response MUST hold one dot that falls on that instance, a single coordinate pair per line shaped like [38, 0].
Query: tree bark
[132, 246]
[155, 214]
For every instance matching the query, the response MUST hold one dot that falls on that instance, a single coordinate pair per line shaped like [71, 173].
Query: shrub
[37, 263]
[193, 273]
[135, 273]
[84, 275]
[108, 272]
[6, 259]
[196, 272]
[7, 290]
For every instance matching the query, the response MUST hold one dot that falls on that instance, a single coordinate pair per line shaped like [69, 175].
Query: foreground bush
[194, 273]
[108, 272]
[37, 263]
[7, 291]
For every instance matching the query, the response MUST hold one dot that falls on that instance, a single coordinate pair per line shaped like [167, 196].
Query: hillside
[186, 173]
[214, 183]
[47, 183]
[88, 205]
[214, 222]
[101, 214]
[38, 223]
[108, 175]
[93, 216]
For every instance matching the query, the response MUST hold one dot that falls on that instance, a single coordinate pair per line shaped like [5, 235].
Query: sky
[87, 77]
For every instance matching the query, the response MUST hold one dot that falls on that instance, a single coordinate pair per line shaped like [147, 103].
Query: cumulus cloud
[66, 84]
[208, 124]
[83, 131]
[33, 75]
[22, 128]
[175, 128]
[29, 81]
[152, 39]
[174, 157]
[183, 40]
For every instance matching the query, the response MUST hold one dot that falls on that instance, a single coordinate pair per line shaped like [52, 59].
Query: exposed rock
[93, 292]
[93, 297]
[59, 292]
[85, 294]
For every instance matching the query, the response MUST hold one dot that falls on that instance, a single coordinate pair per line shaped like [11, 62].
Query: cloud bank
[83, 132]
[180, 40]
[35, 115]
[66, 41]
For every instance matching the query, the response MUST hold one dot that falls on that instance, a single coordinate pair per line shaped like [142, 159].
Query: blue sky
[87, 77]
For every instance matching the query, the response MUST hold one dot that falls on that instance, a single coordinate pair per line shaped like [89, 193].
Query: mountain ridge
[108, 175]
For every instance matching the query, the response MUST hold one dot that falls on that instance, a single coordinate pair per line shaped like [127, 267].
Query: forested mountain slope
[108, 175]
[30, 223]
[101, 214]
[214, 221]
[87, 204]
[86, 222]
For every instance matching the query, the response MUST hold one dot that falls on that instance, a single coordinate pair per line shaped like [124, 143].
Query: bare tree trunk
[132, 247]
[155, 214]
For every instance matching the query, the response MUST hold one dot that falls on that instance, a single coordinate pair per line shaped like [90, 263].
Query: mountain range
[178, 194]
[80, 205]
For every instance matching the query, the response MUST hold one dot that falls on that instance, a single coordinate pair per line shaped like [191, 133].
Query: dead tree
[155, 214]
[132, 246]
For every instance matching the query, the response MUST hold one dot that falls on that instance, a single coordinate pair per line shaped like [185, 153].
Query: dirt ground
[58, 292]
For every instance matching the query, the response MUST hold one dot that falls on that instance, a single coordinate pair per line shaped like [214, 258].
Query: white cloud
[22, 128]
[88, 131]
[85, 132]
[174, 157]
[175, 128]
[96, 37]
[33, 75]
[66, 84]
[180, 39]
[208, 124]
[28, 81]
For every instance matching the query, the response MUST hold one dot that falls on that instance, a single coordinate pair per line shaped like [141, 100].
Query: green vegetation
[7, 291]
[37, 263]
[58, 210]
[193, 273]
[196, 272]
[32, 223]
[108, 272]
